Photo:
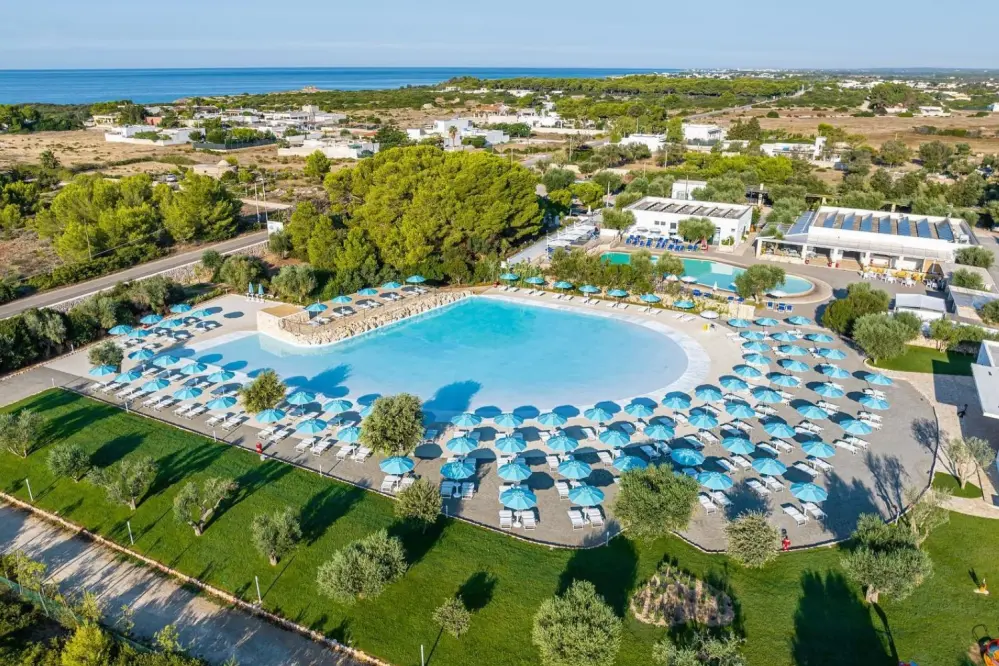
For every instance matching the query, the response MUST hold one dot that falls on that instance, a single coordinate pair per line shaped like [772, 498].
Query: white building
[702, 132]
[333, 149]
[684, 189]
[658, 216]
[933, 111]
[462, 128]
[148, 135]
[927, 308]
[808, 151]
[985, 370]
[994, 108]
[654, 142]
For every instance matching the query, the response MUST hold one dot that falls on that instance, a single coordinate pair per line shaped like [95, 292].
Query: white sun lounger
[843, 444]
[758, 488]
[346, 450]
[361, 454]
[813, 510]
[605, 457]
[820, 464]
[389, 483]
[506, 519]
[320, 447]
[720, 498]
[798, 516]
[563, 490]
[856, 441]
[164, 404]
[726, 465]
[528, 519]
[763, 446]
[781, 445]
[706, 502]
[650, 452]
[576, 518]
[305, 444]
[216, 419]
[552, 461]
[806, 468]
[742, 462]
[197, 411]
[234, 422]
[467, 490]
[183, 409]
[773, 484]
[707, 437]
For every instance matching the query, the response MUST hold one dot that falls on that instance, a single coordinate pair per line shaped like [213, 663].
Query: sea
[84, 86]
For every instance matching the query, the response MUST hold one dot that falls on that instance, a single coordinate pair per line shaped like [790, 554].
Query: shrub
[860, 299]
[696, 229]
[886, 559]
[69, 460]
[975, 256]
[453, 617]
[363, 568]
[758, 279]
[617, 219]
[881, 336]
[653, 501]
[88, 646]
[395, 425]
[275, 534]
[106, 353]
[420, 502]
[264, 392]
[126, 481]
[577, 629]
[752, 540]
[966, 279]
[240, 271]
[295, 283]
[990, 312]
[913, 324]
[21, 431]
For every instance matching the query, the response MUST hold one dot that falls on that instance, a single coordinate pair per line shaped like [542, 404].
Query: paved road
[48, 298]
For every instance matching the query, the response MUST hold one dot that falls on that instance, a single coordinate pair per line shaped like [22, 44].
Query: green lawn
[945, 481]
[799, 610]
[926, 359]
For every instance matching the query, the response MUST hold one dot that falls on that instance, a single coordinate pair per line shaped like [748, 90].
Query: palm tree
[453, 132]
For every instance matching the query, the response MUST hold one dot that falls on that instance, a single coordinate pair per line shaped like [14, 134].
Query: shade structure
[878, 379]
[338, 406]
[221, 376]
[856, 427]
[198, 314]
[792, 350]
[562, 443]
[787, 381]
[627, 463]
[676, 400]
[818, 448]
[249, 288]
[165, 361]
[102, 370]
[757, 336]
[157, 384]
[367, 291]
[769, 466]
[756, 359]
[755, 346]
[793, 365]
[615, 437]
[714, 480]
[639, 410]
[120, 329]
[172, 323]
[457, 470]
[784, 336]
[702, 419]
[301, 398]
[341, 299]
[461, 445]
[686, 457]
[129, 376]
[142, 354]
[798, 320]
[810, 411]
[316, 307]
[392, 285]
[747, 371]
[777, 293]
[510, 444]
[778, 428]
[397, 465]
[269, 416]
[585, 495]
[349, 434]
[535, 280]
[222, 402]
[767, 395]
[739, 323]
[508, 420]
[684, 304]
[828, 390]
[562, 284]
[767, 321]
[466, 420]
[416, 279]
[831, 354]
[187, 393]
[874, 402]
[809, 492]
[731, 383]
[518, 498]
[739, 410]
[552, 419]
[260, 289]
[709, 314]
[193, 368]
[151, 319]
[589, 289]
[574, 469]
[180, 307]
[598, 414]
[708, 393]
[689, 279]
[617, 293]
[139, 333]
[311, 426]
[738, 445]
[514, 471]
[834, 371]
[509, 277]
[649, 298]
[659, 431]
[819, 337]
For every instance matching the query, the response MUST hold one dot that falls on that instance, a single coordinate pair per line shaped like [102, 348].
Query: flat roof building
[659, 216]
[985, 370]
[927, 308]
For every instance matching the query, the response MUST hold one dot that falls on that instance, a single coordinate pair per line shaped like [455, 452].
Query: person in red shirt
[260, 450]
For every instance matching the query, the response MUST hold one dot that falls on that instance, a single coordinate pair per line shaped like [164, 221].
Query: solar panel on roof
[923, 229]
[884, 225]
[848, 223]
[829, 221]
[904, 228]
[867, 224]
[945, 232]
[801, 224]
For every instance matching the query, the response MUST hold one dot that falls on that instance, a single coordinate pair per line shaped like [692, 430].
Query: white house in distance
[933, 112]
[985, 370]
[148, 135]
[659, 216]
[334, 149]
[703, 132]
[462, 128]
[810, 151]
[994, 107]
[654, 142]
[684, 189]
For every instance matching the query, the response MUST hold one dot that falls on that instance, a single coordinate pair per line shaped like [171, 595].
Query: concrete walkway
[207, 629]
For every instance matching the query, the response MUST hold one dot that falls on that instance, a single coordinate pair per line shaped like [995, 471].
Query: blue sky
[582, 33]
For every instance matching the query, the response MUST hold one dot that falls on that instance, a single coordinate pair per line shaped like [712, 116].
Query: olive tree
[976, 255]
[69, 460]
[577, 628]
[926, 511]
[758, 279]
[695, 229]
[881, 336]
[453, 617]
[196, 504]
[670, 264]
[420, 502]
[125, 481]
[275, 534]
[21, 431]
[966, 455]
[395, 425]
[106, 353]
[264, 392]
[752, 540]
[362, 569]
[886, 559]
[652, 502]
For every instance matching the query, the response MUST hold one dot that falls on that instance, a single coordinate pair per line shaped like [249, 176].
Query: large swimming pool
[716, 274]
[482, 352]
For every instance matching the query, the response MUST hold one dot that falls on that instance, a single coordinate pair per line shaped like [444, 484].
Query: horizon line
[484, 67]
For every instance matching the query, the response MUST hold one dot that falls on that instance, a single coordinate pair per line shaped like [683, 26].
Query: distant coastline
[84, 86]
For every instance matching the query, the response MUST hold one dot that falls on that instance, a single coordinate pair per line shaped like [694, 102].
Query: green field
[925, 359]
[799, 610]
[945, 481]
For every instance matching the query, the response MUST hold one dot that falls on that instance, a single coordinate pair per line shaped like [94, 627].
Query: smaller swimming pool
[716, 274]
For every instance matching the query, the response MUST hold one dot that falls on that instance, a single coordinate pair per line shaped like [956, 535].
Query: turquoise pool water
[716, 274]
[480, 352]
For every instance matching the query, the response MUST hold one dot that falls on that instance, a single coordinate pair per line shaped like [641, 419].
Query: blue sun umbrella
[628, 463]
[659, 432]
[552, 419]
[585, 495]
[193, 368]
[151, 319]
[338, 406]
[684, 305]
[818, 448]
[649, 298]
[819, 337]
[187, 393]
[392, 285]
[856, 427]
[739, 410]
[165, 361]
[767, 321]
[809, 492]
[828, 390]
[589, 289]
[874, 402]
[614, 437]
[466, 420]
[199, 314]
[769, 466]
[831, 354]
[461, 445]
[301, 398]
[508, 420]
[834, 371]
[397, 465]
[778, 428]
[767, 395]
[702, 419]
[316, 307]
[518, 498]
[457, 470]
[617, 293]
[222, 402]
[752, 335]
[738, 445]
[416, 279]
[562, 443]
[515, 471]
[798, 320]
[793, 365]
[574, 469]
[311, 426]
[739, 323]
[180, 307]
[509, 277]
[733, 383]
[269, 416]
[756, 359]
[708, 393]
[714, 480]
[878, 379]
[784, 336]
[129, 376]
[368, 291]
[350, 434]
[787, 381]
[341, 299]
[120, 329]
[510, 444]
[157, 384]
[102, 370]
[687, 457]
[639, 410]
[792, 350]
[747, 371]
[810, 411]
[535, 280]
[562, 284]
[221, 376]
[598, 414]
[139, 333]
[676, 400]
[142, 355]
[249, 289]
[755, 346]
[172, 323]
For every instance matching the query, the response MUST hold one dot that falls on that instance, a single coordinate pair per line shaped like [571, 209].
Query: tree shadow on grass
[612, 570]
[178, 465]
[325, 508]
[416, 540]
[477, 591]
[257, 477]
[114, 450]
[832, 626]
